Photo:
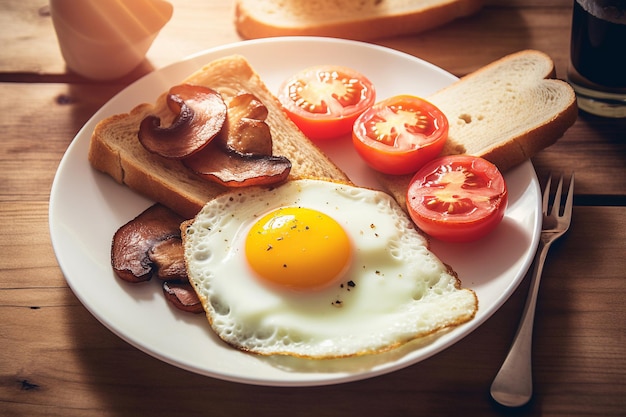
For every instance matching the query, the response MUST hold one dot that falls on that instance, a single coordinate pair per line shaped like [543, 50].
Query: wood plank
[61, 110]
[27, 259]
[29, 34]
[459, 47]
[38, 123]
[595, 149]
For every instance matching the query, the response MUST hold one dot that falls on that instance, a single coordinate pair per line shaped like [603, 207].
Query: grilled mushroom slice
[233, 169]
[168, 258]
[182, 296]
[134, 241]
[200, 114]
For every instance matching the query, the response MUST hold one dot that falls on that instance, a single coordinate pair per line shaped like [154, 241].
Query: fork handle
[513, 385]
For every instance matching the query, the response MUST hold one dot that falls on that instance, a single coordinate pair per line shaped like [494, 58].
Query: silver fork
[513, 386]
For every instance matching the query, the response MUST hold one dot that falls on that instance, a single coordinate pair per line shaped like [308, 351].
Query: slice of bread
[351, 19]
[505, 112]
[115, 148]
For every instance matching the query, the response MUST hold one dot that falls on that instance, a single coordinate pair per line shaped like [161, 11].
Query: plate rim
[333, 378]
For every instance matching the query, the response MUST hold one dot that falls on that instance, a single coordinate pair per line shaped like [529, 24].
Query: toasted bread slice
[351, 19]
[116, 150]
[505, 112]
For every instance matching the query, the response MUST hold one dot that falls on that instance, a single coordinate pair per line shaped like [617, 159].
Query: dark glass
[598, 47]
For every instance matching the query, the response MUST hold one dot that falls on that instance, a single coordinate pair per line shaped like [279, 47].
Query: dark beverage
[598, 47]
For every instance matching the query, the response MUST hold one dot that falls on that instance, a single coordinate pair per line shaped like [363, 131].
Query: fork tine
[546, 196]
[569, 202]
[556, 204]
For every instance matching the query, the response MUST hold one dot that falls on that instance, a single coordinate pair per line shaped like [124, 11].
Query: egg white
[395, 289]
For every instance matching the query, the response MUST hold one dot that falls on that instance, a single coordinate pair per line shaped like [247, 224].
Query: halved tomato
[400, 134]
[457, 198]
[324, 101]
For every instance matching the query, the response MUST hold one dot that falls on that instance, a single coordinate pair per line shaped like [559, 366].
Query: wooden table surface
[56, 359]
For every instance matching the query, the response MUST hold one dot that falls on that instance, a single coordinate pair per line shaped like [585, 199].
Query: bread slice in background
[350, 19]
[505, 112]
[115, 148]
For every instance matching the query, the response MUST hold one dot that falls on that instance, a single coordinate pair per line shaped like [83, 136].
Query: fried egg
[318, 269]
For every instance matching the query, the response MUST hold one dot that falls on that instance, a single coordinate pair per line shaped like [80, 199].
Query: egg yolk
[298, 248]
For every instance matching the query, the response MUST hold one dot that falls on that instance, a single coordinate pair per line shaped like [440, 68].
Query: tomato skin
[457, 198]
[324, 101]
[400, 134]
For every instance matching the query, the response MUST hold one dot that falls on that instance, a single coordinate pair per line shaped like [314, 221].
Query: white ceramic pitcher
[107, 39]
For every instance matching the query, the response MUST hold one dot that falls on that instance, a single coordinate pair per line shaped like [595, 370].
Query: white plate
[87, 207]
